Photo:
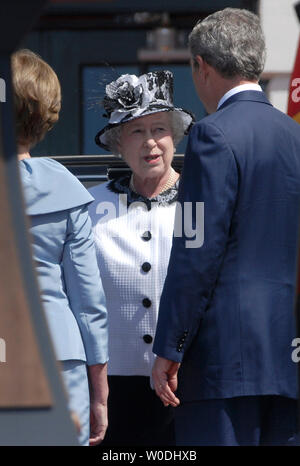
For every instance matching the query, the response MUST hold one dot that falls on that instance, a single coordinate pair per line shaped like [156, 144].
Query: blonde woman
[63, 249]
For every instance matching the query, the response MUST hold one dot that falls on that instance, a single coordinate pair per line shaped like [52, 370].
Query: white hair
[231, 41]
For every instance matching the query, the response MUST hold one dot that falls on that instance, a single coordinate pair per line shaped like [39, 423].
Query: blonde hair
[37, 96]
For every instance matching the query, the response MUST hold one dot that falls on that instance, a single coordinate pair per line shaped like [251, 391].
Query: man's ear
[201, 66]
[198, 62]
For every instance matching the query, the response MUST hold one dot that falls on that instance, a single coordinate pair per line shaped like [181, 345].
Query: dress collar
[122, 186]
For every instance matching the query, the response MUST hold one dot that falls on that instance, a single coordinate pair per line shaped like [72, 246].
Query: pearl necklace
[170, 182]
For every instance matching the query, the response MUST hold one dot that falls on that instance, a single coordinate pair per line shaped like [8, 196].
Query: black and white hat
[131, 97]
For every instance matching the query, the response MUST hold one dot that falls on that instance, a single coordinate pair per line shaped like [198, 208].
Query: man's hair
[232, 42]
[37, 96]
[114, 134]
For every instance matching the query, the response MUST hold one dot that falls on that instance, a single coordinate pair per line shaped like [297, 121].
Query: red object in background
[294, 112]
[294, 94]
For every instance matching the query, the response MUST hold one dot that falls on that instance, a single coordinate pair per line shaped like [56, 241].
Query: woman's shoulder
[105, 191]
[42, 163]
[50, 187]
[102, 196]
[99, 188]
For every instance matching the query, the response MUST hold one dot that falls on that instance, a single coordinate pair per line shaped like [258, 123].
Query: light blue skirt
[76, 382]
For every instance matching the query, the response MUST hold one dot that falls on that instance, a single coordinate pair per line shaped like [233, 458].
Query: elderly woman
[63, 249]
[133, 220]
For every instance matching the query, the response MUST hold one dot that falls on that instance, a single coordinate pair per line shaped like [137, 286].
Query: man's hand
[98, 422]
[164, 374]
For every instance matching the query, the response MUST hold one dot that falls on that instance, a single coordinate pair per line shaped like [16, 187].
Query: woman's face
[147, 146]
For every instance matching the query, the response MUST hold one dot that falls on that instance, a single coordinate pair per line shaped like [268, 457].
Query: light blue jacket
[64, 253]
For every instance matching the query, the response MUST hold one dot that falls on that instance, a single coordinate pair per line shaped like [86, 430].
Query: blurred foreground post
[33, 409]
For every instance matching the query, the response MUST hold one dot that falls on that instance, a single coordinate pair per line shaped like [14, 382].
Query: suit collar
[254, 96]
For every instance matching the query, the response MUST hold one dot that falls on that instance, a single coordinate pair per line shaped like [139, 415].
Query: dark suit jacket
[227, 307]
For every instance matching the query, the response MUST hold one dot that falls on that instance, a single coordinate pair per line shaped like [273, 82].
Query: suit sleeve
[210, 177]
[84, 287]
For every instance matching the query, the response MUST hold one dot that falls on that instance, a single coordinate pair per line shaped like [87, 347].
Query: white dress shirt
[235, 90]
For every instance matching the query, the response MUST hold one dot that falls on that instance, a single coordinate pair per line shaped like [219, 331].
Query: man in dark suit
[226, 317]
